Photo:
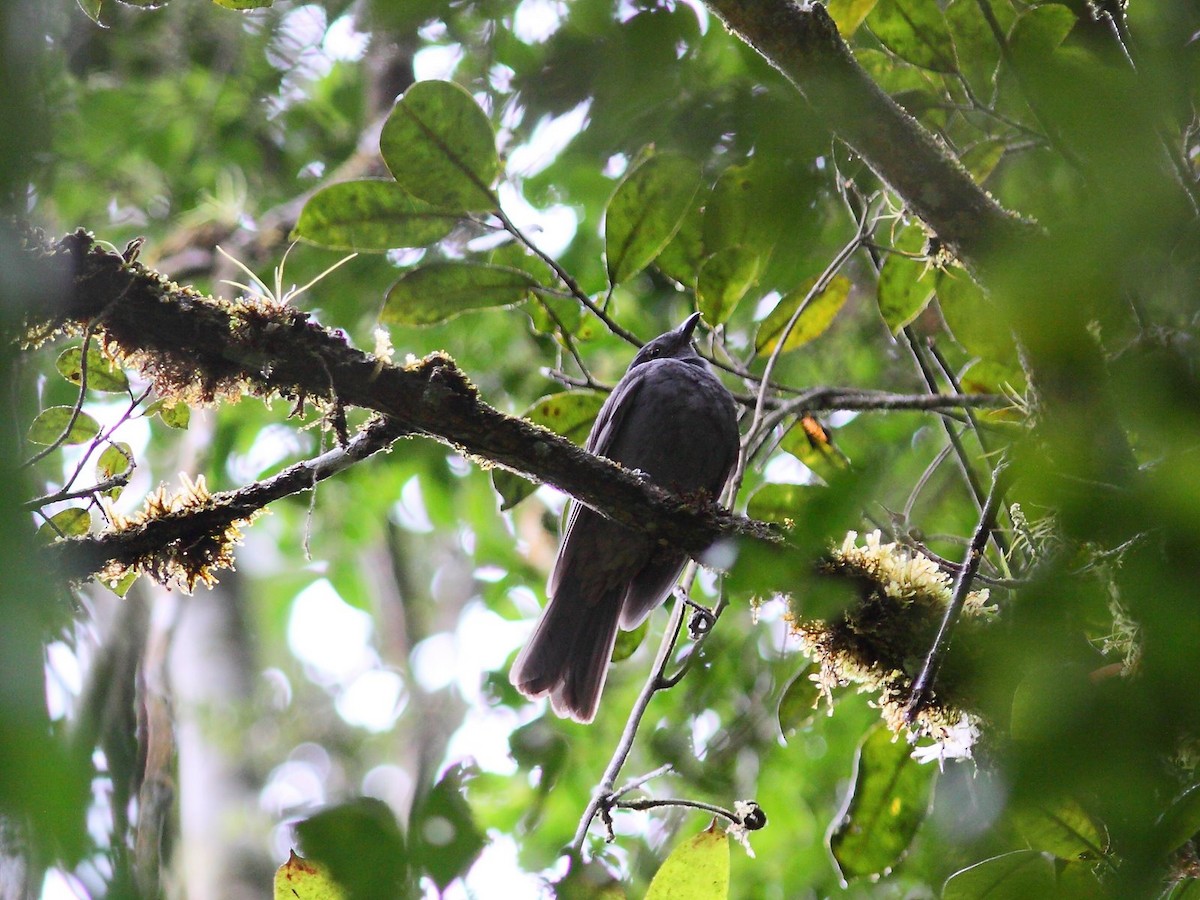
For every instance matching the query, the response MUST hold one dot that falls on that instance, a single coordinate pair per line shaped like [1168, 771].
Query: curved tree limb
[804, 45]
[196, 348]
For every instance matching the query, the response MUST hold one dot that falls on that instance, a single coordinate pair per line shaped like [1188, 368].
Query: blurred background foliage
[160, 743]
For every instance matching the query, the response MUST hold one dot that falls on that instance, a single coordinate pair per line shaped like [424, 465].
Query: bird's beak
[689, 325]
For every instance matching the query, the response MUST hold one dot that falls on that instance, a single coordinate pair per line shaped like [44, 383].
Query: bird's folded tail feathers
[567, 656]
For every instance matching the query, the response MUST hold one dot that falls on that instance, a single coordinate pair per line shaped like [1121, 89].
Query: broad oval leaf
[916, 31]
[984, 376]
[816, 318]
[889, 797]
[439, 145]
[445, 838]
[102, 375]
[680, 260]
[1180, 821]
[697, 868]
[905, 283]
[1012, 876]
[1061, 827]
[975, 322]
[724, 279]
[798, 704]
[51, 425]
[70, 522]
[117, 459]
[443, 290]
[570, 414]
[780, 503]
[645, 211]
[173, 413]
[360, 845]
[372, 214]
[1039, 31]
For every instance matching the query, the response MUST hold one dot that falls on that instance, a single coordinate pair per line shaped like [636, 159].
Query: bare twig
[922, 689]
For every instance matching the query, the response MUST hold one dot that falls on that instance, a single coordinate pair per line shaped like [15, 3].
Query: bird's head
[674, 344]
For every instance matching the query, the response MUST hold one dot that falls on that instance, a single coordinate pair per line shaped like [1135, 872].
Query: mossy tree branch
[200, 349]
[804, 45]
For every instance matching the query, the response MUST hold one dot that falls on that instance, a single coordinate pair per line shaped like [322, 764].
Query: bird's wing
[602, 437]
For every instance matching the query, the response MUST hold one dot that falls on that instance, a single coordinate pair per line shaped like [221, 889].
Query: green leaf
[303, 879]
[975, 322]
[730, 215]
[1020, 875]
[70, 522]
[439, 145]
[986, 377]
[444, 835]
[1180, 821]
[628, 641]
[889, 796]
[91, 9]
[975, 45]
[697, 868]
[245, 4]
[680, 260]
[724, 279]
[798, 704]
[373, 214]
[569, 414]
[360, 845]
[982, 158]
[916, 31]
[905, 283]
[51, 423]
[849, 14]
[645, 211]
[780, 503]
[443, 290]
[1061, 827]
[117, 459]
[1039, 31]
[175, 414]
[816, 318]
[102, 375]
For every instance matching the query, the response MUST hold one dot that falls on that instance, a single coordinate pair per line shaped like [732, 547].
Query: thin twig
[602, 798]
[922, 689]
[576, 291]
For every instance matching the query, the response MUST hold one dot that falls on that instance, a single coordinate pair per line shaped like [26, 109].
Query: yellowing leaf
[697, 869]
[303, 879]
[816, 318]
[849, 14]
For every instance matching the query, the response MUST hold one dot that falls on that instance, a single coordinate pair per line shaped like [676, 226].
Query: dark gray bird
[671, 419]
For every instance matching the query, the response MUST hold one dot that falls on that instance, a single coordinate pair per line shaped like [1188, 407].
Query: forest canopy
[307, 309]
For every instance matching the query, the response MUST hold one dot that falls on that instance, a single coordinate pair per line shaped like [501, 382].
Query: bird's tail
[567, 656]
